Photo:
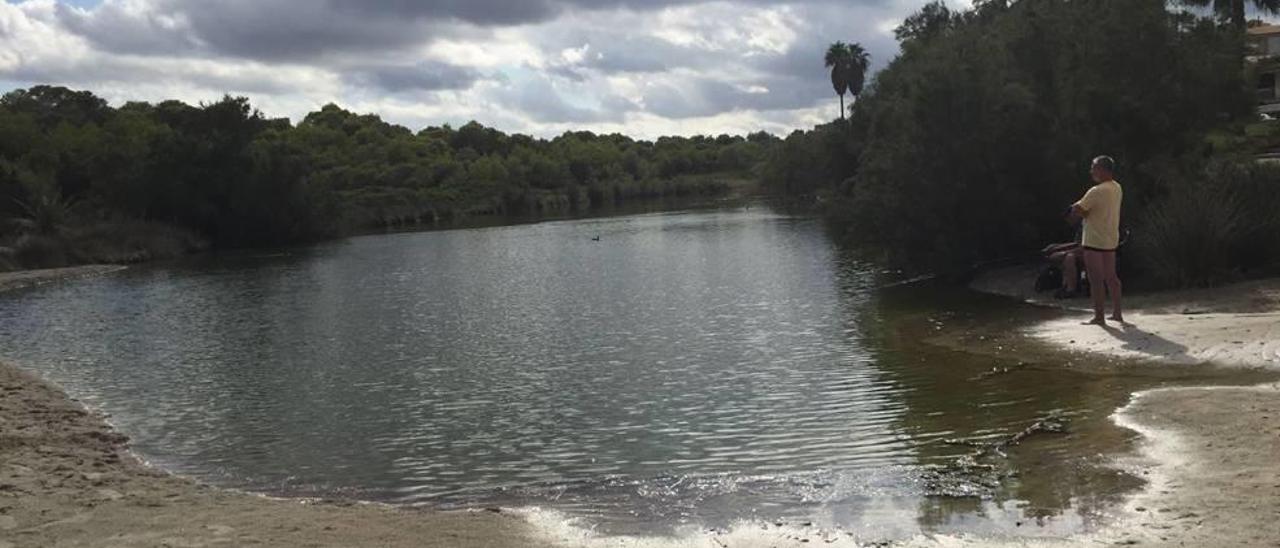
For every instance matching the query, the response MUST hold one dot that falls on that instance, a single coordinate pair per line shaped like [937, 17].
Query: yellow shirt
[1101, 205]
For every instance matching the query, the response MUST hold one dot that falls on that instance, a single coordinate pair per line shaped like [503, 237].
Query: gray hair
[1105, 162]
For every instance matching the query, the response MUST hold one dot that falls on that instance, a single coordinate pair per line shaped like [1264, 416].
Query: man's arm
[1080, 210]
[1076, 213]
[1054, 248]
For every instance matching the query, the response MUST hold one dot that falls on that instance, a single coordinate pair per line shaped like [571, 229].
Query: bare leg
[1093, 265]
[1070, 271]
[1113, 285]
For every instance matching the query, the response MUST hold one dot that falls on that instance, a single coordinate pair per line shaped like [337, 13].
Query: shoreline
[1208, 453]
[25, 279]
[68, 479]
[1213, 477]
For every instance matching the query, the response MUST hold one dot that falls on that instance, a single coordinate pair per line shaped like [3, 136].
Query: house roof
[1264, 30]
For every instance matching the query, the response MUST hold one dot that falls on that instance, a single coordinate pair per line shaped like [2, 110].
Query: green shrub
[1214, 227]
[1256, 187]
[41, 251]
[113, 242]
[6, 259]
[131, 241]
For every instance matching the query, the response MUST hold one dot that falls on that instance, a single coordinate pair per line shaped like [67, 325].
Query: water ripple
[690, 365]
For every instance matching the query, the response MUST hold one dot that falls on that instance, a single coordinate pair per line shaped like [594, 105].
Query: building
[1264, 54]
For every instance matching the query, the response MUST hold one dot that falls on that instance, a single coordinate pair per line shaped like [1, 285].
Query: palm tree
[45, 214]
[837, 59]
[859, 60]
[1234, 9]
[848, 64]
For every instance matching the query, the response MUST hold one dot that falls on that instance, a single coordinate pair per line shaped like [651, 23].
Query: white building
[1264, 53]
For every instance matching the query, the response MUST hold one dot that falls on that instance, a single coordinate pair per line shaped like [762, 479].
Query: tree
[932, 20]
[848, 64]
[837, 59]
[1234, 10]
[995, 109]
[859, 61]
[95, 182]
[52, 105]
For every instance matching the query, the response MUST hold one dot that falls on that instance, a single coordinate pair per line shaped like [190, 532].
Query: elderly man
[1100, 211]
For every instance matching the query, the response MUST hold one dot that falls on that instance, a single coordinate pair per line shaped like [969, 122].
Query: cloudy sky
[641, 67]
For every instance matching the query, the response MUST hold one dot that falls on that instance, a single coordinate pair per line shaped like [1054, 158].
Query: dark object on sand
[1050, 278]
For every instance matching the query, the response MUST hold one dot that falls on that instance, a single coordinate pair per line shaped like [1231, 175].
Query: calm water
[687, 368]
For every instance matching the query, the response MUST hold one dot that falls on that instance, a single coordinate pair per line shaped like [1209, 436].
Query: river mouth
[638, 375]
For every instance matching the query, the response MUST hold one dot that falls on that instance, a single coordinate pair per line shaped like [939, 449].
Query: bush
[38, 251]
[131, 241]
[113, 242]
[1214, 227]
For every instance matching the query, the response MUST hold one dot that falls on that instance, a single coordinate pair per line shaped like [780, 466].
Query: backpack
[1050, 278]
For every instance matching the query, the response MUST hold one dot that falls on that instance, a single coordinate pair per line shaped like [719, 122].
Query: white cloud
[552, 65]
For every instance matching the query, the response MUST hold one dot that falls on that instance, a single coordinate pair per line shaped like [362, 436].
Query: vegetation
[83, 181]
[971, 143]
[1234, 10]
[848, 64]
[1220, 223]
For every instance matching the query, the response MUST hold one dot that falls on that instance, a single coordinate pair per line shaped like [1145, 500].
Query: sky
[640, 67]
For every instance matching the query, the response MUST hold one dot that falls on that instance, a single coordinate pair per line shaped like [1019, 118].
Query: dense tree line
[75, 169]
[970, 144]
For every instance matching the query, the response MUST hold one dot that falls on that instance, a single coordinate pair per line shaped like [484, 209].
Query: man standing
[1100, 211]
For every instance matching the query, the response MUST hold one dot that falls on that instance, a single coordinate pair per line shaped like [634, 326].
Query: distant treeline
[971, 143]
[82, 181]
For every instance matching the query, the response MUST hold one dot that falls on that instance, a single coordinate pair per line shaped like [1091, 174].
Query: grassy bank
[104, 242]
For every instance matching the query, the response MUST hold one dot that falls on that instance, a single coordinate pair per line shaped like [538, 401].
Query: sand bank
[22, 279]
[1228, 339]
[1211, 454]
[1216, 474]
[1234, 326]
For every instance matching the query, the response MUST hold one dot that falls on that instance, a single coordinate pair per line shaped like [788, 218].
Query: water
[687, 369]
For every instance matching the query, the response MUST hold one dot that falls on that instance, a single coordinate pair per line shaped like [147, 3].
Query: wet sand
[67, 479]
[22, 279]
[1211, 454]
[1216, 474]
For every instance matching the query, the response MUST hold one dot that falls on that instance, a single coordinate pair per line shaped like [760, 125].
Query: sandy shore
[66, 479]
[1216, 474]
[1212, 454]
[23, 279]
[1229, 339]
[1234, 326]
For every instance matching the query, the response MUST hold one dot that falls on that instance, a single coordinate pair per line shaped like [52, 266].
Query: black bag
[1050, 278]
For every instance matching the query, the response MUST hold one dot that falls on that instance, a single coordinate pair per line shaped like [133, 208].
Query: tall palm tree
[1234, 9]
[848, 64]
[859, 60]
[837, 59]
